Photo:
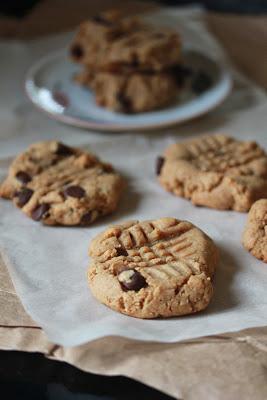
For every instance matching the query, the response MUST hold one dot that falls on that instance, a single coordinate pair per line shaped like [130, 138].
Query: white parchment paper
[48, 265]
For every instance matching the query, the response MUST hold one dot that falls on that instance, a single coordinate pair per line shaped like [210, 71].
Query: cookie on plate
[61, 185]
[255, 233]
[110, 41]
[216, 171]
[96, 36]
[137, 92]
[149, 269]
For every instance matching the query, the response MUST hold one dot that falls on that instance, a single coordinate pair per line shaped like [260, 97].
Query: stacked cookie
[130, 66]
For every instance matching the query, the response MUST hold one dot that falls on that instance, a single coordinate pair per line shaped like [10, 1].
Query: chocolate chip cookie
[150, 269]
[109, 42]
[255, 233]
[131, 93]
[216, 171]
[96, 36]
[61, 185]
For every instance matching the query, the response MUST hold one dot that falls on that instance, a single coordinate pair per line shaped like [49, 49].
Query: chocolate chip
[74, 191]
[181, 73]
[158, 35]
[23, 177]
[23, 196]
[107, 168]
[61, 98]
[201, 82]
[121, 251]
[125, 102]
[130, 279]
[77, 51]
[114, 35]
[181, 70]
[101, 20]
[159, 164]
[135, 62]
[86, 218]
[40, 211]
[63, 150]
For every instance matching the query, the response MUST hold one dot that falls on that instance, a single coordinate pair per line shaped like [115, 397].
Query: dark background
[21, 7]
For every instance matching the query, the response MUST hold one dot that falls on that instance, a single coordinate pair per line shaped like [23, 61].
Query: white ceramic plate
[50, 86]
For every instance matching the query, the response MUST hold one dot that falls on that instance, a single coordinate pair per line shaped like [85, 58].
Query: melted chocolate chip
[86, 218]
[135, 62]
[181, 70]
[159, 164]
[101, 20]
[158, 35]
[55, 161]
[74, 191]
[114, 35]
[23, 196]
[39, 212]
[201, 82]
[125, 102]
[121, 251]
[77, 51]
[61, 98]
[181, 73]
[131, 279]
[23, 177]
[107, 168]
[63, 150]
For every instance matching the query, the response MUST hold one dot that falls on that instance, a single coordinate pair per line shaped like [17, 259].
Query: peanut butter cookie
[150, 269]
[61, 185]
[215, 171]
[133, 93]
[109, 42]
[255, 233]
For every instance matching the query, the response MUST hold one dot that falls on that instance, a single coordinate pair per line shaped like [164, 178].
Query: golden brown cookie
[108, 42]
[149, 269]
[255, 233]
[216, 171]
[61, 185]
[132, 93]
[95, 37]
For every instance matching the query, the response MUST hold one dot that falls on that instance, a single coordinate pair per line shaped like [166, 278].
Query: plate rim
[120, 127]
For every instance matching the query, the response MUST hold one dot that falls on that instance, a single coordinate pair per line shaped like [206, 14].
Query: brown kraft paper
[229, 366]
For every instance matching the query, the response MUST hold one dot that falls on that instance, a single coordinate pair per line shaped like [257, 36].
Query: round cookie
[215, 171]
[61, 185]
[255, 233]
[150, 269]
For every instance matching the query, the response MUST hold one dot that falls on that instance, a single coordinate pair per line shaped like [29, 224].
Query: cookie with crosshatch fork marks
[61, 185]
[149, 269]
[216, 171]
